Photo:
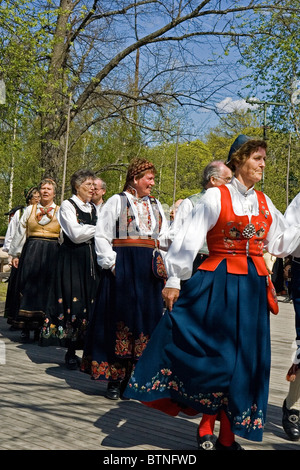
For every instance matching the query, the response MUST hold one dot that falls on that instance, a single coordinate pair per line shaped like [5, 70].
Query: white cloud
[228, 105]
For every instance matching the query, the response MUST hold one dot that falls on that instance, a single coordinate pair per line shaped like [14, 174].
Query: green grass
[3, 290]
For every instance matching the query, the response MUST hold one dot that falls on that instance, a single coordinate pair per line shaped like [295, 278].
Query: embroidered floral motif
[125, 344]
[107, 371]
[158, 265]
[251, 419]
[123, 340]
[74, 328]
[165, 380]
[48, 329]
[235, 235]
[127, 226]
[233, 230]
[140, 344]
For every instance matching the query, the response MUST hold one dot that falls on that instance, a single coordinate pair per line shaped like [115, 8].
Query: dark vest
[83, 218]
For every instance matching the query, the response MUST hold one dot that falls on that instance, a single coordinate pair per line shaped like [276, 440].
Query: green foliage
[19, 165]
[3, 291]
[273, 57]
[108, 144]
[106, 150]
[192, 157]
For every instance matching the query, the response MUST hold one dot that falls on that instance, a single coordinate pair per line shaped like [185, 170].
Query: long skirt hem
[211, 352]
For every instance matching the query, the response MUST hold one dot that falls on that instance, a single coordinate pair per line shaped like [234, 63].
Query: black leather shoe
[36, 335]
[234, 446]
[113, 391]
[290, 422]
[71, 362]
[123, 385]
[205, 442]
[25, 336]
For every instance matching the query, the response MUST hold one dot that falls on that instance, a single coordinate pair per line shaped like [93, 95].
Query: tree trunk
[55, 103]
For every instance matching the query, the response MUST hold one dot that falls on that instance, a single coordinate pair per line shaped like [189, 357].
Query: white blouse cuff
[173, 282]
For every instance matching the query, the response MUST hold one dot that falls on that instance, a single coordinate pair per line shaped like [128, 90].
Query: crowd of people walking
[175, 315]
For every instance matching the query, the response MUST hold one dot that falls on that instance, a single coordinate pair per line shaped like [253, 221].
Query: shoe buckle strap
[293, 418]
[207, 445]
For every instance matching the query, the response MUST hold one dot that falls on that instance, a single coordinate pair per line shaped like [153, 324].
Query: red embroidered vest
[233, 238]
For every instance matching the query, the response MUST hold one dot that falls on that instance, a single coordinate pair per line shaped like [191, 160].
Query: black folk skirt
[78, 277]
[34, 283]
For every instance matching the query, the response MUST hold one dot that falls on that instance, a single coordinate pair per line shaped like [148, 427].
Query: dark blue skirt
[129, 305]
[211, 352]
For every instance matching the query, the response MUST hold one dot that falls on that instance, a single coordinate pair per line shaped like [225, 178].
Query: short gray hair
[211, 170]
[80, 177]
[103, 184]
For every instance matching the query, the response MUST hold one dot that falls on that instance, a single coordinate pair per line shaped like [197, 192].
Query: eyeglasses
[227, 180]
[88, 185]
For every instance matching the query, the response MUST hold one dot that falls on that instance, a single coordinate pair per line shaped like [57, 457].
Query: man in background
[99, 191]
[214, 174]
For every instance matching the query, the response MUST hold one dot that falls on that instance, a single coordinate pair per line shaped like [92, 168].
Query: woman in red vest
[210, 353]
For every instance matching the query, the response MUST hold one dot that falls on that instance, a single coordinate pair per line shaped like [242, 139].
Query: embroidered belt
[145, 242]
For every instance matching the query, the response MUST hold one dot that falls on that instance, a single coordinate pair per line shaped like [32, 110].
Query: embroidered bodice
[235, 238]
[126, 224]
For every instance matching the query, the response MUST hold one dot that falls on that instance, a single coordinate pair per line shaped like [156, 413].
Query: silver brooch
[249, 231]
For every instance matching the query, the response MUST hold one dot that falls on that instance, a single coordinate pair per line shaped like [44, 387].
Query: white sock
[293, 397]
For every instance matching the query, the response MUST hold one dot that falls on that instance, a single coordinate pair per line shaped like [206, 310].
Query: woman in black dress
[34, 250]
[77, 271]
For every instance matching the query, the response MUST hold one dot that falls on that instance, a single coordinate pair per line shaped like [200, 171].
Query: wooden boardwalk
[44, 406]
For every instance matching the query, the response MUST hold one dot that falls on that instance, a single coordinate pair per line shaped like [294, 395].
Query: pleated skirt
[211, 352]
[129, 305]
[34, 282]
[78, 277]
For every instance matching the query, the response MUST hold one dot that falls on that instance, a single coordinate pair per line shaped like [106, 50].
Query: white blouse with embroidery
[106, 224]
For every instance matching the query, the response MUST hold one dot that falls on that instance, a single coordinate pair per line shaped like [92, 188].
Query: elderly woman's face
[85, 190]
[47, 194]
[251, 171]
[144, 185]
[35, 198]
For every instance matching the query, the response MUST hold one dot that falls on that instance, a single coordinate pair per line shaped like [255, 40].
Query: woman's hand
[291, 375]
[15, 262]
[170, 295]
